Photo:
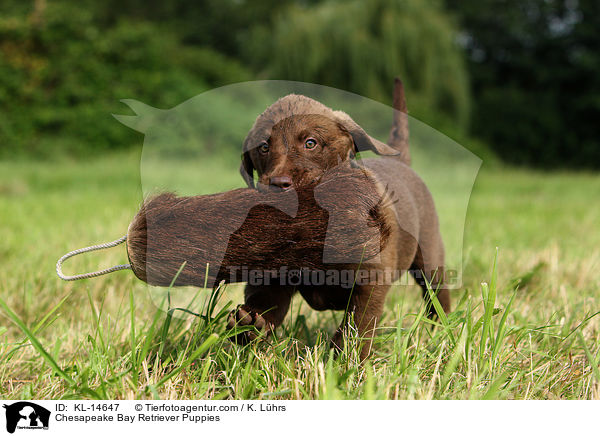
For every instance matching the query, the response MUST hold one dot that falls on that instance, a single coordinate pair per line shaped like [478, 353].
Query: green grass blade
[186, 363]
[41, 323]
[494, 387]
[36, 344]
[440, 312]
[590, 357]
[132, 338]
[99, 330]
[502, 329]
[454, 359]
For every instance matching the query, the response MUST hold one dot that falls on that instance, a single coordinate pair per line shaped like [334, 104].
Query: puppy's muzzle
[280, 183]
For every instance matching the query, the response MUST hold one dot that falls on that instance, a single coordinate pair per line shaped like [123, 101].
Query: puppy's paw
[244, 316]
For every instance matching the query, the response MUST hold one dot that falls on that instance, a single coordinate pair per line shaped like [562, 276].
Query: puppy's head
[298, 151]
[297, 139]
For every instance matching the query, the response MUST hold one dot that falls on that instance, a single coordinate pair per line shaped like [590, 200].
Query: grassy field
[526, 329]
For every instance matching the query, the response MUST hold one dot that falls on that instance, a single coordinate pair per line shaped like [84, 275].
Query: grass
[524, 325]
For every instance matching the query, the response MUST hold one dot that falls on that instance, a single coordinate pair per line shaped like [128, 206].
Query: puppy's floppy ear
[362, 141]
[247, 169]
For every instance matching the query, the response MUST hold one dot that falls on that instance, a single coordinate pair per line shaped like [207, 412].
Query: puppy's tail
[399, 134]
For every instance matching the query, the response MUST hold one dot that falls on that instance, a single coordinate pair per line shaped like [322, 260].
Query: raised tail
[399, 134]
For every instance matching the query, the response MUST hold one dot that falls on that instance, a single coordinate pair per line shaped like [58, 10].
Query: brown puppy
[334, 229]
[294, 143]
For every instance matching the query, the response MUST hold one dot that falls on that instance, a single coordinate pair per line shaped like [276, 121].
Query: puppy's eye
[263, 147]
[310, 143]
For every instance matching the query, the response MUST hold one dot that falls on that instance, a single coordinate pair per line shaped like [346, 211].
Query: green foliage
[534, 67]
[222, 25]
[521, 76]
[361, 46]
[61, 79]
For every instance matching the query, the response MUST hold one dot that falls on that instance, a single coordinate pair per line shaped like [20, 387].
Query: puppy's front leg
[264, 307]
[366, 305]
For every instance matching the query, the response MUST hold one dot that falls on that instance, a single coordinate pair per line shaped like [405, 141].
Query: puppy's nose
[282, 182]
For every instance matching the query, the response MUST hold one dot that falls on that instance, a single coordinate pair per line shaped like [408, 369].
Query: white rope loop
[86, 250]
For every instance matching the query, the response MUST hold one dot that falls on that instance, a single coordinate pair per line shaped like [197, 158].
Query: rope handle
[86, 250]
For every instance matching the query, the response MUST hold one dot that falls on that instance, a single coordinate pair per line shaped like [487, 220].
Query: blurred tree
[222, 25]
[534, 68]
[64, 64]
[39, 8]
[61, 77]
[361, 46]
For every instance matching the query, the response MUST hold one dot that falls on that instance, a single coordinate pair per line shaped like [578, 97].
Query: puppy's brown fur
[277, 149]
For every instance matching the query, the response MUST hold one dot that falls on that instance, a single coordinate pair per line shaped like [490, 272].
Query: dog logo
[294, 277]
[26, 415]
